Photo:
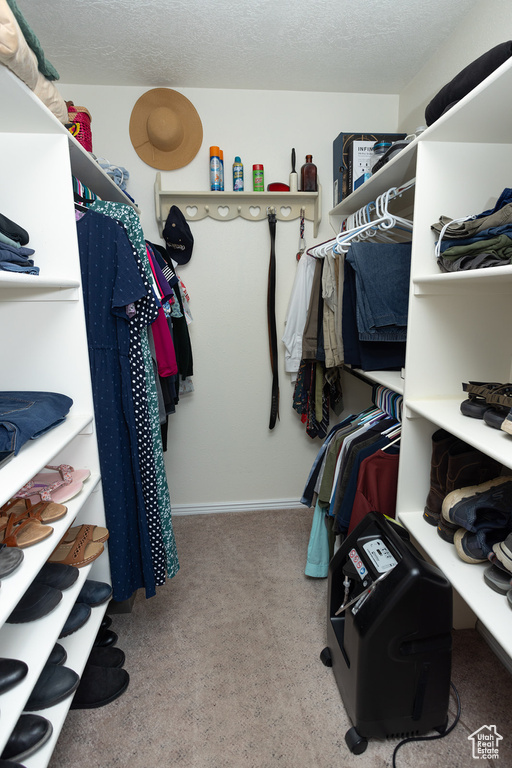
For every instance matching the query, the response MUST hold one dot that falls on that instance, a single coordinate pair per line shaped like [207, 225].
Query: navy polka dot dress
[110, 282]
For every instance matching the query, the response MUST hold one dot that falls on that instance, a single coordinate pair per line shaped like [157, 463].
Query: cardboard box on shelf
[343, 157]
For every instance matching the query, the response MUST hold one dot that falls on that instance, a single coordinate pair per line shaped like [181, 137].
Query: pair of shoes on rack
[103, 679]
[92, 594]
[44, 594]
[80, 545]
[59, 485]
[23, 524]
[490, 401]
[454, 464]
[482, 515]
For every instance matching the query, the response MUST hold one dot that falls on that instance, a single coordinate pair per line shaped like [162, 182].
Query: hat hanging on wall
[178, 237]
[165, 129]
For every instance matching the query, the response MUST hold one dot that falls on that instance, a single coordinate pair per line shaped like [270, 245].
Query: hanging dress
[154, 474]
[111, 282]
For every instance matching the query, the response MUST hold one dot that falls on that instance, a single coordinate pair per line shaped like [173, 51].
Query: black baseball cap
[178, 237]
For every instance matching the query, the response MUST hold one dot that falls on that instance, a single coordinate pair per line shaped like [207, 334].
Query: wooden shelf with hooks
[225, 206]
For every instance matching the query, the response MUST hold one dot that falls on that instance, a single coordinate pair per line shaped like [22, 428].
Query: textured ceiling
[359, 46]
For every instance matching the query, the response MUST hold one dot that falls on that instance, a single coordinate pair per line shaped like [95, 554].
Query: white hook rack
[225, 206]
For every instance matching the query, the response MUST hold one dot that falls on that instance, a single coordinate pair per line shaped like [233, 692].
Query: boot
[441, 443]
[466, 467]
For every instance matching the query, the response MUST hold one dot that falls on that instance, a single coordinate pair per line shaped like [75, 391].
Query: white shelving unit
[225, 206]
[44, 348]
[458, 323]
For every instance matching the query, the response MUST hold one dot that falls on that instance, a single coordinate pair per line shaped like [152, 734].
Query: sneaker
[503, 552]
[475, 547]
[487, 505]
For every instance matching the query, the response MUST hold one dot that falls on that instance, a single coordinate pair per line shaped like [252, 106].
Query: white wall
[486, 25]
[220, 447]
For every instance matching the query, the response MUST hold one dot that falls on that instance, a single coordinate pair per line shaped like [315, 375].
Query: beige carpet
[225, 670]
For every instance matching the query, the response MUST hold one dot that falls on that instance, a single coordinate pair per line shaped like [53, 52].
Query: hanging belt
[271, 316]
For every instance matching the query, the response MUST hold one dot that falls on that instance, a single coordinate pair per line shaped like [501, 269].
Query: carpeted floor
[225, 670]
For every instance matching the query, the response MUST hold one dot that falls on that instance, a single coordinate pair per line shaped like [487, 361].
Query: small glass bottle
[308, 176]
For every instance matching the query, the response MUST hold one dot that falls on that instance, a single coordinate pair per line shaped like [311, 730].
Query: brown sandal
[45, 512]
[92, 533]
[78, 552]
[20, 531]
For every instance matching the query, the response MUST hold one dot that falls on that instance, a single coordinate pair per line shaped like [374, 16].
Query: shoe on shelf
[55, 683]
[94, 593]
[16, 530]
[12, 672]
[59, 486]
[38, 601]
[475, 547]
[105, 637]
[77, 617]
[28, 735]
[506, 424]
[107, 656]
[99, 686]
[503, 552]
[79, 546]
[10, 559]
[494, 417]
[498, 579]
[475, 409]
[57, 575]
[441, 442]
[446, 530]
[58, 654]
[488, 505]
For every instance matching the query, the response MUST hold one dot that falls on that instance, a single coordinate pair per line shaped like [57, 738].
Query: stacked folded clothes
[478, 241]
[14, 255]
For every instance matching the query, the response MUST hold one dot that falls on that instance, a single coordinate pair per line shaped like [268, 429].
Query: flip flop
[45, 512]
[91, 532]
[22, 532]
[79, 551]
[58, 486]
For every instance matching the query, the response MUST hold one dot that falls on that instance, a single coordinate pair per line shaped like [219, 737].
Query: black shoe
[94, 593]
[78, 616]
[38, 601]
[57, 575]
[105, 637]
[99, 686]
[28, 735]
[55, 683]
[106, 656]
[58, 655]
[106, 622]
[10, 764]
[12, 672]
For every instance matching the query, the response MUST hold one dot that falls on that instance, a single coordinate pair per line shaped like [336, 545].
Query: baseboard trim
[218, 507]
[494, 646]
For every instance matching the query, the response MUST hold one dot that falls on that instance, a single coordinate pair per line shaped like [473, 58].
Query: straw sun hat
[165, 129]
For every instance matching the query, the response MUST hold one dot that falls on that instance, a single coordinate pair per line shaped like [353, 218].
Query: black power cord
[431, 738]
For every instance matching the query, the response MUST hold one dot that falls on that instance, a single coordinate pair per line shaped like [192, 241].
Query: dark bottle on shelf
[308, 181]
